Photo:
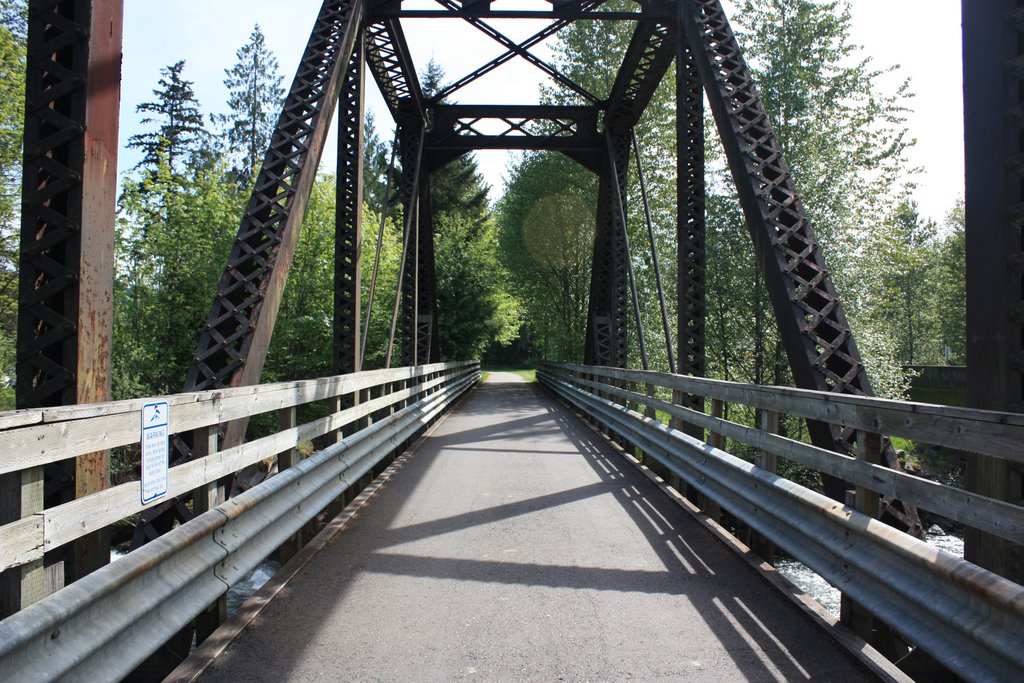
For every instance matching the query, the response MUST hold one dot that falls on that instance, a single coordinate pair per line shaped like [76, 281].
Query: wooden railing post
[764, 548]
[205, 441]
[286, 459]
[651, 413]
[680, 398]
[869, 449]
[716, 440]
[21, 495]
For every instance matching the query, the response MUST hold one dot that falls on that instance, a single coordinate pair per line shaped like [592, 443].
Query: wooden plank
[869, 449]
[22, 542]
[987, 432]
[21, 498]
[988, 514]
[211, 494]
[333, 385]
[20, 418]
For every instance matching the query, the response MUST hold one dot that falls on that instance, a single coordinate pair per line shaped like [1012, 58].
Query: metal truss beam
[690, 231]
[994, 140]
[349, 218]
[812, 323]
[419, 342]
[649, 55]
[514, 47]
[507, 56]
[233, 346]
[66, 258]
[387, 54]
[608, 314]
[459, 129]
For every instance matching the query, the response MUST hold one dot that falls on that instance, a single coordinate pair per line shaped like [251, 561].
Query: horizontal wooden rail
[104, 625]
[33, 438]
[985, 432]
[967, 618]
[39, 437]
[971, 509]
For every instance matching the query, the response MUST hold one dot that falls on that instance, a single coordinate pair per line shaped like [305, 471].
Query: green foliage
[12, 106]
[254, 101]
[175, 233]
[547, 242]
[474, 306]
[376, 157]
[180, 132]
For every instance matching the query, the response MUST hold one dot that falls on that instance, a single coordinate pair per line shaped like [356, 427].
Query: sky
[207, 34]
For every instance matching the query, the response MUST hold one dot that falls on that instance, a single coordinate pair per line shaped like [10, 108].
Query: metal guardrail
[967, 618]
[104, 625]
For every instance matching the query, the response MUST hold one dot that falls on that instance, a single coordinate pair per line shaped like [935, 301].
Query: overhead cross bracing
[595, 130]
[63, 317]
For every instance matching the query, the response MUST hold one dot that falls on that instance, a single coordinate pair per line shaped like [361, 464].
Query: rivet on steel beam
[1018, 361]
[1016, 262]
[1017, 312]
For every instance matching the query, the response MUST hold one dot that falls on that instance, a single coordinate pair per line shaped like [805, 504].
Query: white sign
[154, 451]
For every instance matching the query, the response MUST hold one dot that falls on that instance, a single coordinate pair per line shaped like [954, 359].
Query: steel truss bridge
[57, 503]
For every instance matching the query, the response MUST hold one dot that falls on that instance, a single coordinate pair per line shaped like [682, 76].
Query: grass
[528, 374]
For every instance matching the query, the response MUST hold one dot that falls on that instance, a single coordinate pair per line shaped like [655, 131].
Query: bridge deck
[516, 545]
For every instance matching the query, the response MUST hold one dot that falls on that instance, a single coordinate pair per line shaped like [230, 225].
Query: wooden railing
[30, 439]
[970, 620]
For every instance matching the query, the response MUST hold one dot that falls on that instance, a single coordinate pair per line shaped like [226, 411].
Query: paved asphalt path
[515, 545]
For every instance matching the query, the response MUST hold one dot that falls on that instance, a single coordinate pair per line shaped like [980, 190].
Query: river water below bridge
[820, 589]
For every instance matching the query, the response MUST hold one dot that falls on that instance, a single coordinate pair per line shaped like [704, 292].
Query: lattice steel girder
[70, 188]
[233, 345]
[459, 129]
[994, 139]
[387, 54]
[813, 326]
[608, 314]
[537, 38]
[649, 55]
[690, 230]
[420, 344]
[66, 260]
[348, 218]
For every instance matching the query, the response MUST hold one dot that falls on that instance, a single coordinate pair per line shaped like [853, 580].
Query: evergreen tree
[376, 157]
[547, 223]
[458, 187]
[950, 288]
[474, 307]
[179, 124]
[13, 14]
[255, 98]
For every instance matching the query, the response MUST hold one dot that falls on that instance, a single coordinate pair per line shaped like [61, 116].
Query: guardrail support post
[288, 419]
[204, 443]
[764, 548]
[22, 585]
[716, 440]
[869, 449]
[651, 463]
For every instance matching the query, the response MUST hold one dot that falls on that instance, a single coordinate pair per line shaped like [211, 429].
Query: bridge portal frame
[694, 33]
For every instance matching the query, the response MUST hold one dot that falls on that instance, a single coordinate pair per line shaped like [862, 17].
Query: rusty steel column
[608, 316]
[66, 265]
[994, 142]
[690, 229]
[349, 217]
